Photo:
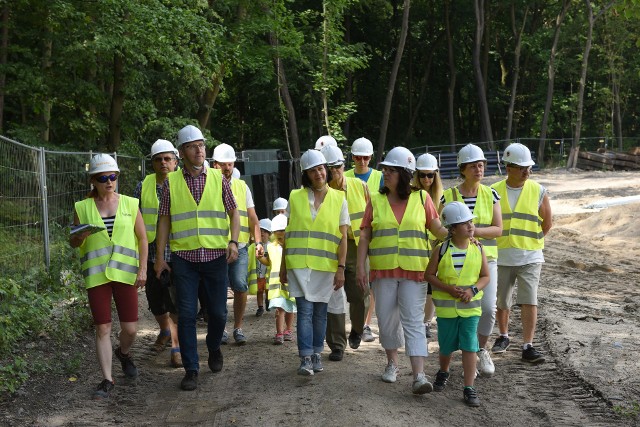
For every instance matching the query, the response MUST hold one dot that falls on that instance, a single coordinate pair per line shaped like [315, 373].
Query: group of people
[346, 240]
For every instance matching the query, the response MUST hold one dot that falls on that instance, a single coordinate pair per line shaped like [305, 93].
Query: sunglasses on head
[361, 157]
[104, 178]
[427, 175]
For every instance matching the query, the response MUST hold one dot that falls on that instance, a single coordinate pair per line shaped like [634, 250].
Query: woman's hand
[283, 274]
[141, 279]
[338, 279]
[77, 239]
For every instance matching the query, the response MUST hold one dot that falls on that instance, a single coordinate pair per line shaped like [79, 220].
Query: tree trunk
[209, 98]
[325, 102]
[452, 79]
[551, 71]
[348, 89]
[117, 103]
[617, 116]
[46, 102]
[516, 61]
[392, 80]
[4, 46]
[485, 121]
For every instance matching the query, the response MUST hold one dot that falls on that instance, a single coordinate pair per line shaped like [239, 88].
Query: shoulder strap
[443, 249]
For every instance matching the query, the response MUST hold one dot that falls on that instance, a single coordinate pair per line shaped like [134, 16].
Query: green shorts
[458, 333]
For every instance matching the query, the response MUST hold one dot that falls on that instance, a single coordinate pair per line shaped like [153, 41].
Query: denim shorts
[238, 271]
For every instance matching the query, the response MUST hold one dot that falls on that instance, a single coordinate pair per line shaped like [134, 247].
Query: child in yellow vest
[458, 271]
[261, 269]
[279, 293]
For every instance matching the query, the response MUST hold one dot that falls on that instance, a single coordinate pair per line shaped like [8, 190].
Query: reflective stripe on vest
[401, 245]
[149, 204]
[522, 227]
[102, 259]
[448, 306]
[252, 270]
[356, 203]
[239, 190]
[197, 226]
[483, 211]
[375, 178]
[313, 243]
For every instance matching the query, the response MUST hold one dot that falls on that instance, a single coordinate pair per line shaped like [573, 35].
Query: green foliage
[631, 410]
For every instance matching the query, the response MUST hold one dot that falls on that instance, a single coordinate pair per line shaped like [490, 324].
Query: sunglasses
[335, 166]
[162, 159]
[520, 168]
[361, 157]
[429, 175]
[104, 178]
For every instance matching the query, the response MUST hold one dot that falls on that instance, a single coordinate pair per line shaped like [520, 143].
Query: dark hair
[404, 183]
[306, 181]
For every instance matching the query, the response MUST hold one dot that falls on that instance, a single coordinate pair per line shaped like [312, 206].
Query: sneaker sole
[423, 389]
[439, 388]
[499, 350]
[534, 361]
[472, 404]
[241, 342]
[305, 373]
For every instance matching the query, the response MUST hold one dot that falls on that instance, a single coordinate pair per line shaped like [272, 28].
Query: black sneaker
[215, 361]
[336, 355]
[501, 345]
[471, 397]
[259, 311]
[128, 367]
[532, 355]
[104, 390]
[441, 381]
[190, 381]
[354, 339]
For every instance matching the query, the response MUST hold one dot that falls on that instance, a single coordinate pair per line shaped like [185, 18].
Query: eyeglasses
[335, 166]
[358, 158]
[200, 146]
[167, 159]
[104, 178]
[429, 175]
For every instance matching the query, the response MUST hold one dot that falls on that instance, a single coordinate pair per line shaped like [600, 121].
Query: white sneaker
[476, 376]
[306, 366]
[421, 384]
[390, 373]
[485, 364]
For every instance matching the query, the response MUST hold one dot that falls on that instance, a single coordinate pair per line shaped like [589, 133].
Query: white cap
[162, 146]
[333, 155]
[280, 203]
[189, 133]
[470, 154]
[455, 213]
[102, 163]
[265, 224]
[279, 223]
[235, 174]
[224, 153]
[325, 140]
[311, 159]
[362, 147]
[518, 154]
[400, 157]
[427, 162]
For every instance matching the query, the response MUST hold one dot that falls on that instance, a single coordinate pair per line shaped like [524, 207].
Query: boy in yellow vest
[458, 271]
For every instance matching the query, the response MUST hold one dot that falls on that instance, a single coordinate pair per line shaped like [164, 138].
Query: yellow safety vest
[313, 243]
[107, 259]
[356, 203]
[448, 306]
[197, 226]
[239, 190]
[277, 289]
[252, 270]
[149, 204]
[522, 227]
[401, 245]
[375, 178]
[483, 212]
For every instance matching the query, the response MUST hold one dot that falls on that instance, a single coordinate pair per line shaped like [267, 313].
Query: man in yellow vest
[193, 211]
[163, 160]
[526, 219]
[224, 157]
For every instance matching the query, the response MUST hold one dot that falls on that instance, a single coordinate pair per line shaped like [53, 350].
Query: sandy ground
[588, 328]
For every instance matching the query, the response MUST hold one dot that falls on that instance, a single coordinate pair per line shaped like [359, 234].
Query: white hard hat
[362, 147]
[400, 157]
[189, 133]
[470, 154]
[518, 154]
[280, 203]
[162, 146]
[279, 223]
[427, 162]
[102, 163]
[235, 174]
[224, 153]
[311, 159]
[325, 140]
[333, 155]
[455, 213]
[265, 224]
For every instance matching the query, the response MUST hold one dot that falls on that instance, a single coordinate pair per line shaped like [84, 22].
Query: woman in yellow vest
[458, 272]
[427, 178]
[315, 251]
[114, 263]
[484, 202]
[393, 233]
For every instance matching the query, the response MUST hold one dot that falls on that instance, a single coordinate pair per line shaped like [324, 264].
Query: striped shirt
[196, 187]
[108, 223]
[137, 193]
[457, 256]
[471, 201]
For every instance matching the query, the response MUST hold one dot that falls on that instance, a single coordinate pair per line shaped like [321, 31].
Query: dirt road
[588, 329]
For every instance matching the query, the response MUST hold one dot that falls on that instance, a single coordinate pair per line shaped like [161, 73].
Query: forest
[118, 74]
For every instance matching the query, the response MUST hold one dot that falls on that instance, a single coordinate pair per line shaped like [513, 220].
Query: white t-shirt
[250, 204]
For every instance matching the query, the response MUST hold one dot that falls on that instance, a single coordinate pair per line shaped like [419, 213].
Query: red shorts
[262, 283]
[125, 296]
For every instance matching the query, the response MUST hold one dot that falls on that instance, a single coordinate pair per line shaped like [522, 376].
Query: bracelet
[341, 266]
[233, 241]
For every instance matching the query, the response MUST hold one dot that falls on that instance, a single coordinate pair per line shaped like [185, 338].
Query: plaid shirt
[137, 193]
[196, 186]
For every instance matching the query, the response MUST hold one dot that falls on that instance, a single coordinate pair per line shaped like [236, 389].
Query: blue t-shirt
[365, 177]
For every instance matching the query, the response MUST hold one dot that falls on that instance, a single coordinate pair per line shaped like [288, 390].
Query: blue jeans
[311, 325]
[238, 271]
[186, 279]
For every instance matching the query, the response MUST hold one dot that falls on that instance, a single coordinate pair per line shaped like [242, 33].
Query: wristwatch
[474, 290]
